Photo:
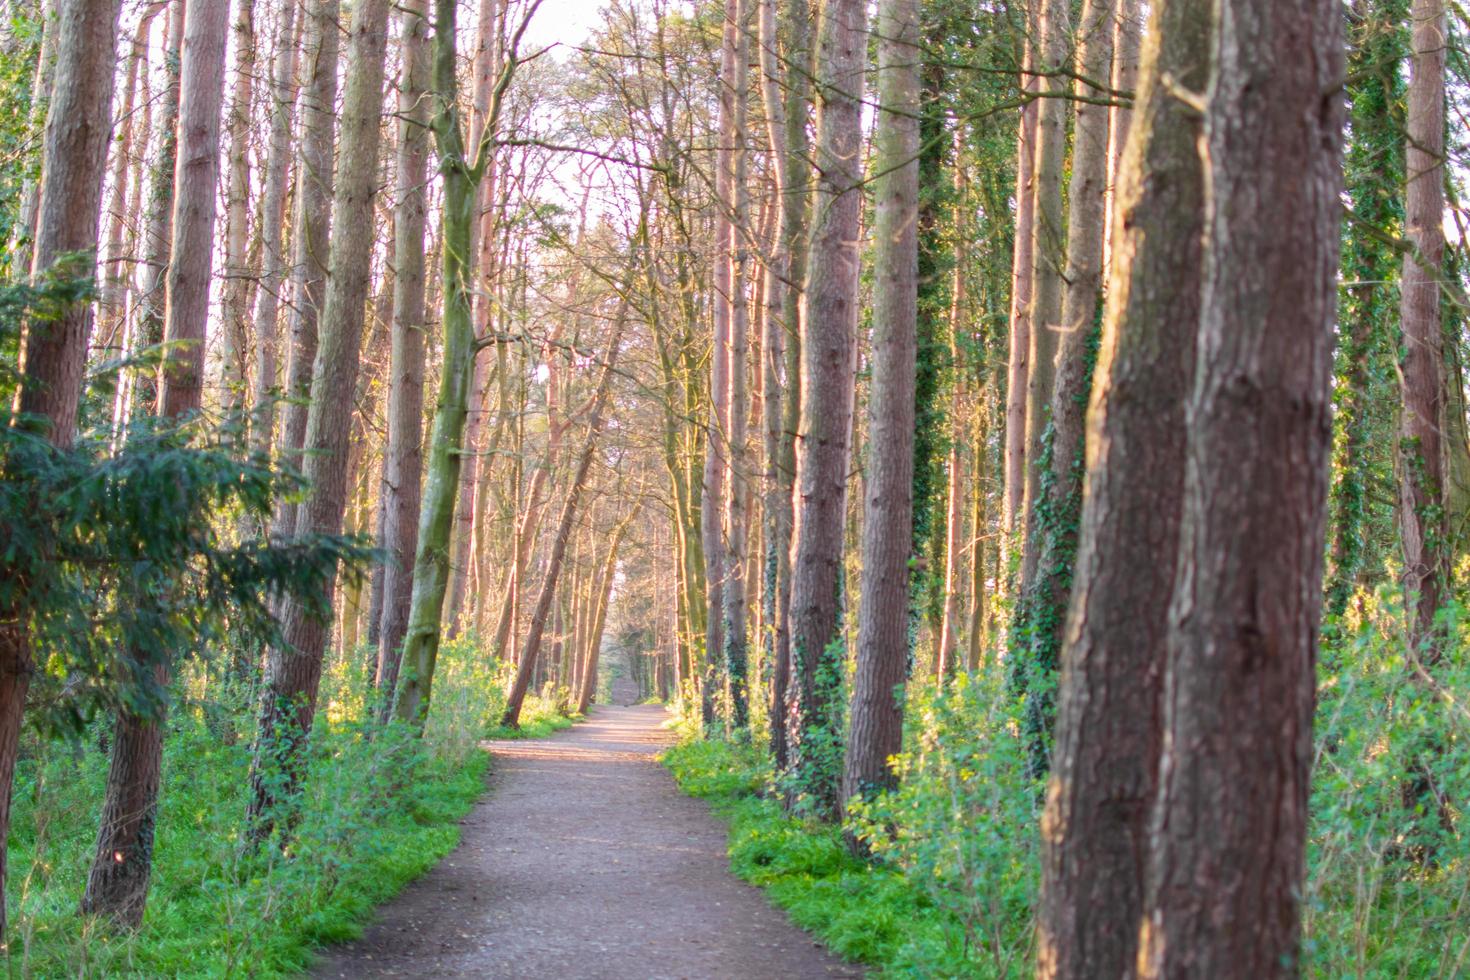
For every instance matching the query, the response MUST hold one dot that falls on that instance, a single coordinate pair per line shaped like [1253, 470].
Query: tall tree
[876, 732]
[311, 231]
[73, 161]
[122, 865]
[1108, 735]
[288, 703]
[461, 170]
[235, 291]
[273, 198]
[829, 322]
[1421, 440]
[402, 469]
[737, 409]
[1224, 888]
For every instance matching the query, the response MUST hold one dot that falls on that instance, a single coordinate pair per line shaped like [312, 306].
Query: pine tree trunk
[876, 731]
[403, 467]
[1056, 540]
[117, 886]
[1019, 361]
[1228, 853]
[1421, 467]
[310, 237]
[235, 290]
[1109, 716]
[288, 705]
[1048, 255]
[822, 459]
[158, 227]
[272, 219]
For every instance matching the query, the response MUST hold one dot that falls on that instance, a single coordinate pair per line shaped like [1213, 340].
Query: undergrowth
[380, 809]
[953, 882]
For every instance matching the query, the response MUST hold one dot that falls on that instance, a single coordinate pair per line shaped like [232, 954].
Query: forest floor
[584, 860]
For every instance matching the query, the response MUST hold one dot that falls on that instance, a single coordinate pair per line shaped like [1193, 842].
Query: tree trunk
[158, 227]
[829, 322]
[403, 467]
[1108, 735]
[235, 290]
[272, 219]
[737, 407]
[1048, 254]
[1421, 467]
[117, 886]
[1056, 531]
[294, 668]
[312, 231]
[1228, 851]
[876, 732]
[1019, 363]
[74, 158]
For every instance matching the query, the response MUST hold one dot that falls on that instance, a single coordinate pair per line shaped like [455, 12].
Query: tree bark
[1048, 255]
[829, 322]
[1421, 440]
[235, 290]
[403, 468]
[311, 234]
[876, 731]
[288, 705]
[117, 886]
[603, 592]
[1108, 735]
[272, 219]
[1228, 851]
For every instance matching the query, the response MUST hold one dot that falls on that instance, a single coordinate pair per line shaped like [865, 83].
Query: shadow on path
[585, 860]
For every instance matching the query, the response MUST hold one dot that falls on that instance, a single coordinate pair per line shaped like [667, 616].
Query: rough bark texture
[235, 290]
[312, 231]
[876, 731]
[1229, 832]
[829, 322]
[403, 467]
[288, 704]
[1421, 440]
[272, 220]
[74, 155]
[1108, 736]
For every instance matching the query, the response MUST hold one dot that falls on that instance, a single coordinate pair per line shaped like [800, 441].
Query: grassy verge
[378, 810]
[863, 912]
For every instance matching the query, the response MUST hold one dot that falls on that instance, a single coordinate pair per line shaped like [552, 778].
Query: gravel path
[585, 861]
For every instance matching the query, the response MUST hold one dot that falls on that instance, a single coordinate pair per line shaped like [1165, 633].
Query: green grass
[867, 913]
[376, 814]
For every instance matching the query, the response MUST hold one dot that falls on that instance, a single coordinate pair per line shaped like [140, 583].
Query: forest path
[584, 860]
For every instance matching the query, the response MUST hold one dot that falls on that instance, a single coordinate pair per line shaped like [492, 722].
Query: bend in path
[585, 860]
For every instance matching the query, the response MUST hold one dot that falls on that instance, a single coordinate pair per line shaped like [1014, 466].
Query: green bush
[952, 884]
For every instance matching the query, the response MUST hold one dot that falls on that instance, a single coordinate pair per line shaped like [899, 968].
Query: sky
[562, 21]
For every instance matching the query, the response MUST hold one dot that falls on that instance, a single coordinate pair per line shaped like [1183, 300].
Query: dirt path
[585, 861]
